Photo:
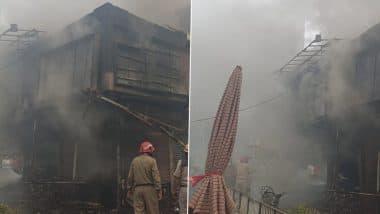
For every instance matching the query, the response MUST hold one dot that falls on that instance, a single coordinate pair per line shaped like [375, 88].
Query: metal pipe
[143, 118]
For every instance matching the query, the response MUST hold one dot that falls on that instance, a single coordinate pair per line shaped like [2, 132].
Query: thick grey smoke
[261, 36]
[54, 15]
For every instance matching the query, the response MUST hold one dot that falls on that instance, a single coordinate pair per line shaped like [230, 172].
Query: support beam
[75, 157]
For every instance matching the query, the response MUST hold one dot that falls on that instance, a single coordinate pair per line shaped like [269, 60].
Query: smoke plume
[261, 36]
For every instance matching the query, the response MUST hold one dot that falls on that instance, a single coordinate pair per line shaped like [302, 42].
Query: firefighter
[180, 181]
[144, 183]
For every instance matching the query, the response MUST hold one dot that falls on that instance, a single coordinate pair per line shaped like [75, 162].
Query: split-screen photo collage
[189, 107]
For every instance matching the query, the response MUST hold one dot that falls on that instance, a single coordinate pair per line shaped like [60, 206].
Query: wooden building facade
[68, 135]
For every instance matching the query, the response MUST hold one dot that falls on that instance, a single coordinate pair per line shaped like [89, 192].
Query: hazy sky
[52, 15]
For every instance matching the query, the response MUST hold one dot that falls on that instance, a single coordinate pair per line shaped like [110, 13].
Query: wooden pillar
[260, 207]
[248, 201]
[118, 175]
[75, 157]
[118, 168]
[34, 149]
[337, 158]
[378, 173]
[240, 199]
[171, 163]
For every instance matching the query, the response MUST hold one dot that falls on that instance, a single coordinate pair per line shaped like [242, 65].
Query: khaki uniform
[181, 173]
[145, 184]
[242, 177]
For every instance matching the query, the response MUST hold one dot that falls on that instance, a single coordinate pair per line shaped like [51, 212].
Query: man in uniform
[144, 183]
[180, 181]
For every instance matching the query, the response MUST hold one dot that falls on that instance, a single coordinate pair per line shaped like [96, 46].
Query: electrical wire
[248, 107]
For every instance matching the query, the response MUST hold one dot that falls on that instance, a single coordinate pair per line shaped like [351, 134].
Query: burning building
[336, 91]
[89, 95]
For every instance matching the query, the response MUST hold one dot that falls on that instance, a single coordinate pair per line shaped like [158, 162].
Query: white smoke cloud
[310, 32]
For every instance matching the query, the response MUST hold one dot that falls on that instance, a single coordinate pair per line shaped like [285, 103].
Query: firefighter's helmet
[146, 147]
[186, 149]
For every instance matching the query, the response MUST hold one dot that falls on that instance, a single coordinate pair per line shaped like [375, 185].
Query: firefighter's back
[142, 169]
[146, 183]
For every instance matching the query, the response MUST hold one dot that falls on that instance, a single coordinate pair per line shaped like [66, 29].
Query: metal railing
[340, 202]
[247, 205]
